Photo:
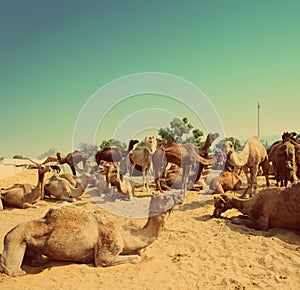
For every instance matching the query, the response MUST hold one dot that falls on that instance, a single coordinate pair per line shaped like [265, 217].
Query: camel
[223, 181]
[114, 154]
[151, 140]
[124, 184]
[270, 208]
[283, 158]
[25, 195]
[60, 188]
[250, 158]
[70, 233]
[72, 159]
[49, 159]
[277, 157]
[140, 155]
[185, 156]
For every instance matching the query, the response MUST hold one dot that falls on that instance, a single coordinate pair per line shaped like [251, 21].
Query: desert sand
[195, 251]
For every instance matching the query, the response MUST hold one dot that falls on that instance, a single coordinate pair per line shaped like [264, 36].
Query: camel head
[42, 169]
[287, 135]
[213, 136]
[160, 204]
[229, 148]
[288, 154]
[160, 142]
[221, 203]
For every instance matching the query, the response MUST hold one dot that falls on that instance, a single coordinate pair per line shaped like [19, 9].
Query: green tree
[18, 157]
[89, 149]
[181, 131]
[113, 142]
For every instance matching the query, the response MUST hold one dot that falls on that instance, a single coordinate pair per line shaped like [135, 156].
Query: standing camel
[140, 156]
[72, 159]
[252, 156]
[114, 154]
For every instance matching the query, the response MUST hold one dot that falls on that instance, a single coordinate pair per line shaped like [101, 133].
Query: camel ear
[224, 198]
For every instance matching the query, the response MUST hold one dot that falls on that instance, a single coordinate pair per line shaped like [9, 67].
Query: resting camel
[25, 195]
[70, 233]
[60, 188]
[114, 154]
[185, 156]
[251, 157]
[225, 181]
[125, 185]
[270, 208]
[72, 159]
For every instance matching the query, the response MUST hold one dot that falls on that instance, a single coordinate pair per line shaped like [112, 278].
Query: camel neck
[38, 190]
[141, 238]
[239, 204]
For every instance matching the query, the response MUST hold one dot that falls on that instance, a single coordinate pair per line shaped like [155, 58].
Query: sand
[195, 251]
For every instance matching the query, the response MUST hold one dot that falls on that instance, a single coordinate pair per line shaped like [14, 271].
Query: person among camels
[70, 233]
[270, 208]
[25, 195]
[60, 188]
[253, 155]
[72, 159]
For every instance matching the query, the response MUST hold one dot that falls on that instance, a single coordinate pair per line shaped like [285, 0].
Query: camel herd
[174, 168]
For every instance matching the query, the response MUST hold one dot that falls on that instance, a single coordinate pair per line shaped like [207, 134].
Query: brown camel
[270, 208]
[49, 159]
[273, 153]
[140, 155]
[114, 154]
[25, 195]
[60, 188]
[283, 158]
[72, 159]
[225, 181]
[250, 158]
[70, 233]
[124, 184]
[185, 156]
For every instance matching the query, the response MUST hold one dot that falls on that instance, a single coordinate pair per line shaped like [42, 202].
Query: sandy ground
[195, 251]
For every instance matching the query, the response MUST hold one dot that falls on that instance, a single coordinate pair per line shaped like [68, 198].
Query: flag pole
[258, 128]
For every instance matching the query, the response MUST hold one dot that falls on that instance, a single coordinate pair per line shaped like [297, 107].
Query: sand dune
[194, 251]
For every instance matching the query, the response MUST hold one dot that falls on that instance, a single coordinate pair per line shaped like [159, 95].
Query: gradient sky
[54, 55]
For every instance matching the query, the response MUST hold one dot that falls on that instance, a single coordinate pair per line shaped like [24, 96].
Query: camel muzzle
[289, 165]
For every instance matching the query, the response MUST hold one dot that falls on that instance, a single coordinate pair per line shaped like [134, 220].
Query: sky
[55, 56]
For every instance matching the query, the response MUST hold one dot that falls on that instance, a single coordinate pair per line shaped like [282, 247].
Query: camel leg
[1, 204]
[145, 179]
[265, 167]
[184, 180]
[33, 258]
[105, 258]
[12, 256]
